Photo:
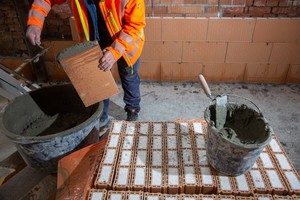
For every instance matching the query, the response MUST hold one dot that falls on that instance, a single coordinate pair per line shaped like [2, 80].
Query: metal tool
[12, 83]
[221, 104]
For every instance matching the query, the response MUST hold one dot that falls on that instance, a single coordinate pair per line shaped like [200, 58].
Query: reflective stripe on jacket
[125, 20]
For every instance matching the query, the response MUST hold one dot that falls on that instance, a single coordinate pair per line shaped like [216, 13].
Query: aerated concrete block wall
[223, 49]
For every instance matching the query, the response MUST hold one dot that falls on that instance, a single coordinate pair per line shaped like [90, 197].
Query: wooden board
[92, 84]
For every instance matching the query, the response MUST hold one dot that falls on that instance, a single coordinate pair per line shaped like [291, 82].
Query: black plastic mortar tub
[49, 123]
[234, 153]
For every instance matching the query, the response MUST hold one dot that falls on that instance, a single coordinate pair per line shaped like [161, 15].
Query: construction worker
[118, 27]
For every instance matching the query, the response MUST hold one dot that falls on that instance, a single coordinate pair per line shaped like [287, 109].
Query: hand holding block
[80, 62]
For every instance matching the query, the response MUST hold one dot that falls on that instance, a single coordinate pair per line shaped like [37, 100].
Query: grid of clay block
[276, 183]
[102, 194]
[170, 158]
[97, 194]
[107, 167]
[286, 169]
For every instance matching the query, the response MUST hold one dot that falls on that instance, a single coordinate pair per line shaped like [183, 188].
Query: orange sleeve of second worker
[134, 21]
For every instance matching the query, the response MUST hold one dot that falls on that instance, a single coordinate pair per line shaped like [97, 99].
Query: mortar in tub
[48, 124]
[234, 149]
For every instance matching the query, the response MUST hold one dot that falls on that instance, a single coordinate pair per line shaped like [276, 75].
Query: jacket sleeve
[39, 10]
[132, 28]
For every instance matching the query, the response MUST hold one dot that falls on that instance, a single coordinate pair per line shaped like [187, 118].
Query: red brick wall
[11, 38]
[57, 23]
[225, 8]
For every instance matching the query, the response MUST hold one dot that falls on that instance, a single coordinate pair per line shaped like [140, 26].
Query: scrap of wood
[10, 166]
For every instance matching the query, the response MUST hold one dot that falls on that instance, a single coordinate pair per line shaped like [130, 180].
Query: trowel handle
[205, 86]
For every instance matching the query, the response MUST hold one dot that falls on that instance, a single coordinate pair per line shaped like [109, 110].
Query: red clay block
[277, 30]
[248, 52]
[153, 29]
[150, 71]
[92, 84]
[285, 53]
[269, 73]
[162, 51]
[293, 75]
[184, 29]
[207, 52]
[221, 29]
[224, 72]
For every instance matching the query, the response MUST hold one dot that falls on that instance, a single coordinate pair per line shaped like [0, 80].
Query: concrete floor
[280, 105]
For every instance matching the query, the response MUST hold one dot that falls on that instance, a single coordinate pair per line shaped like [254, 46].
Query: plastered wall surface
[223, 49]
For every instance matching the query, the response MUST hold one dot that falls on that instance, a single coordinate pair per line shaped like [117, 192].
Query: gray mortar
[243, 125]
[234, 149]
[76, 49]
[49, 123]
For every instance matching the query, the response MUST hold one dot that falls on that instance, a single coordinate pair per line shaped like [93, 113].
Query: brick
[225, 2]
[277, 30]
[184, 29]
[115, 72]
[259, 2]
[224, 72]
[272, 2]
[189, 1]
[150, 71]
[204, 52]
[153, 29]
[212, 2]
[248, 52]
[238, 2]
[293, 75]
[201, 1]
[283, 3]
[234, 10]
[185, 9]
[286, 11]
[266, 73]
[249, 2]
[160, 9]
[284, 53]
[211, 9]
[170, 71]
[220, 29]
[259, 11]
[162, 51]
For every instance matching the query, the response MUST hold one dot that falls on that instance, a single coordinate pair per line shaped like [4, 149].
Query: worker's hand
[33, 34]
[107, 61]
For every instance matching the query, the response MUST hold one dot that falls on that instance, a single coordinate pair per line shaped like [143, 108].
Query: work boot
[132, 115]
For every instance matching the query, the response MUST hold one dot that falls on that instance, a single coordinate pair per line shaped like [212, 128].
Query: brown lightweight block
[80, 62]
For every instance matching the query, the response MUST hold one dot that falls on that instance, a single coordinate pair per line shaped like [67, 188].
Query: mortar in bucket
[233, 147]
[48, 124]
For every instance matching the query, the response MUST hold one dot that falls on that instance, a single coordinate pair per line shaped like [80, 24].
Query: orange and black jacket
[125, 20]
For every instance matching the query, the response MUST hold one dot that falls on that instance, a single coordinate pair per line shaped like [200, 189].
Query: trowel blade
[221, 111]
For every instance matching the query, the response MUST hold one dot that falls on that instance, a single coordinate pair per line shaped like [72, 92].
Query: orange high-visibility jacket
[125, 20]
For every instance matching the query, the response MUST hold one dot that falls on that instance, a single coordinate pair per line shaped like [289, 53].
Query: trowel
[221, 104]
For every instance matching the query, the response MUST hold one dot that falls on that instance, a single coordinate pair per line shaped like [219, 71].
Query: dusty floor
[280, 104]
